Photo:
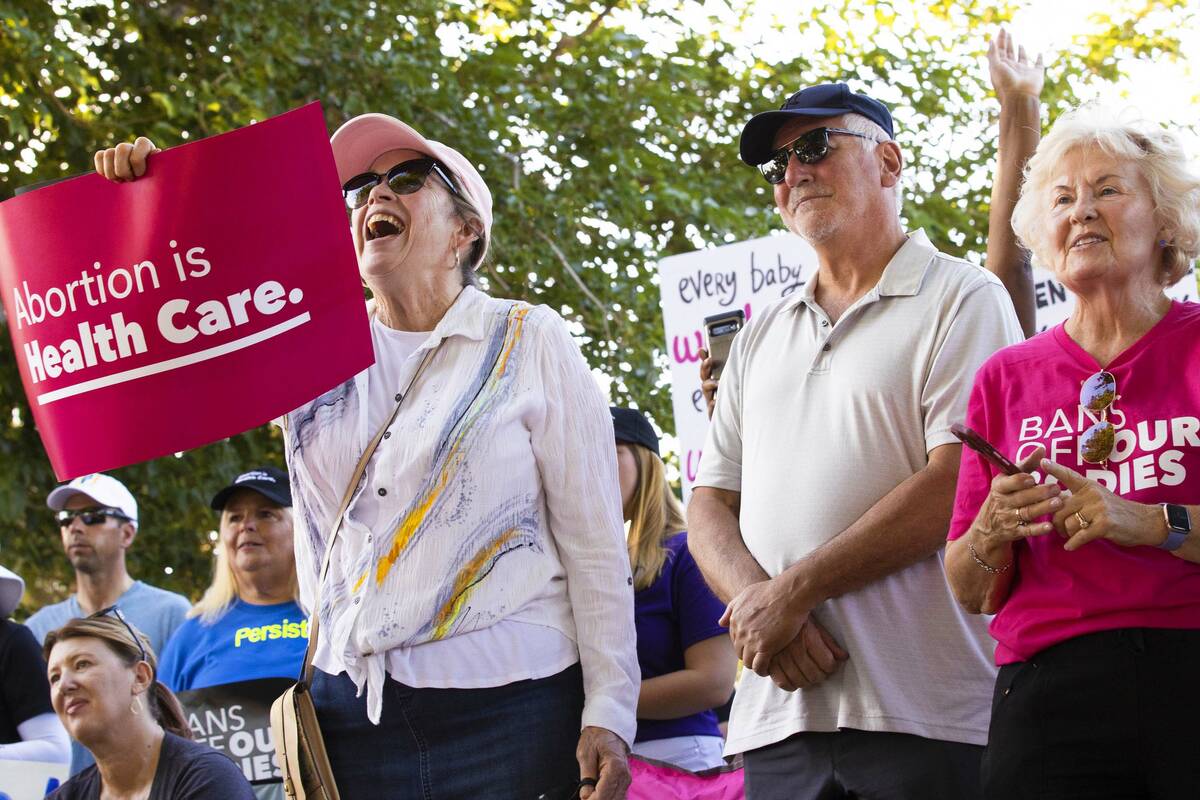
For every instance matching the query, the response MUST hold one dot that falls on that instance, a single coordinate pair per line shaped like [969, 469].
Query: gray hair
[1157, 153]
[860, 124]
[469, 261]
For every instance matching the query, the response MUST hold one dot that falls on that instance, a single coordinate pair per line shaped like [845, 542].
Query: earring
[1162, 242]
[135, 707]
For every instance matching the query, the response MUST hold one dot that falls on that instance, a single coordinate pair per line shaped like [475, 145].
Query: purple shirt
[672, 614]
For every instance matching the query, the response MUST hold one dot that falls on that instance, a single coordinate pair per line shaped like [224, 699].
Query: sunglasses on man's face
[116, 612]
[90, 516]
[808, 148]
[404, 178]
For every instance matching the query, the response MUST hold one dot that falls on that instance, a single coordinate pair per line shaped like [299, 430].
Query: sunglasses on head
[808, 148]
[90, 516]
[404, 178]
[1097, 394]
[116, 612]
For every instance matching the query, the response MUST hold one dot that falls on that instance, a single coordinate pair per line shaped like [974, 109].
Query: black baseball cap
[270, 482]
[632, 427]
[824, 100]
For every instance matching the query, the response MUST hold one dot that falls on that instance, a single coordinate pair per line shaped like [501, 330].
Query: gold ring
[1021, 514]
[1083, 521]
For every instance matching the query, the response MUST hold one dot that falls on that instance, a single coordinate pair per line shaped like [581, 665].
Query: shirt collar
[902, 276]
[465, 317]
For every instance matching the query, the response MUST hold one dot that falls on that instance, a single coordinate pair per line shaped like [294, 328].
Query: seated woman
[1097, 627]
[248, 624]
[103, 687]
[686, 657]
[29, 731]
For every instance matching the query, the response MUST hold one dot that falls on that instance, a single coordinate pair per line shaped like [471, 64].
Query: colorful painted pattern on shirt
[512, 526]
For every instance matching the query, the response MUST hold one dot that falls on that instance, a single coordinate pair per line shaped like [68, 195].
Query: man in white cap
[98, 520]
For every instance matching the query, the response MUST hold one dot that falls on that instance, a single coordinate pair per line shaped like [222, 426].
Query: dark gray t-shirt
[186, 771]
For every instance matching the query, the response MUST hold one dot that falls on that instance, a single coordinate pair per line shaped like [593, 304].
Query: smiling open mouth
[381, 225]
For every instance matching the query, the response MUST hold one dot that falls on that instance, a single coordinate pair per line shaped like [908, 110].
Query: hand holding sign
[180, 284]
[125, 161]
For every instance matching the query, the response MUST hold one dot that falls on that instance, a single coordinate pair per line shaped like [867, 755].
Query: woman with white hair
[1087, 558]
[248, 624]
[474, 627]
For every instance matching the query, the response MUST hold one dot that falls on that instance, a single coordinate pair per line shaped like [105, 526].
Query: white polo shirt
[815, 422]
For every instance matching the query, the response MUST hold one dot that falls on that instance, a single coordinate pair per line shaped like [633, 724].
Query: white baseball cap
[11, 589]
[104, 489]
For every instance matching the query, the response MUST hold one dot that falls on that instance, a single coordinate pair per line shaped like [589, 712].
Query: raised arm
[1018, 85]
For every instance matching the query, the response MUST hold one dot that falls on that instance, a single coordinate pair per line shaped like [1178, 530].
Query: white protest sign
[750, 275]
[30, 780]
[747, 275]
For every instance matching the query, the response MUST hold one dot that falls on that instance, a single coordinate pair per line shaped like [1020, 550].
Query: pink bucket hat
[359, 141]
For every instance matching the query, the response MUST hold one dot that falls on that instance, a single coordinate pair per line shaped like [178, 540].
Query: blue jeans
[509, 742]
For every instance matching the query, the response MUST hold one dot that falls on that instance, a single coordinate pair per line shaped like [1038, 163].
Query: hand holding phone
[719, 330]
[985, 448]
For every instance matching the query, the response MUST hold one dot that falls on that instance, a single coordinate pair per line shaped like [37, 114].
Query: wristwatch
[1179, 525]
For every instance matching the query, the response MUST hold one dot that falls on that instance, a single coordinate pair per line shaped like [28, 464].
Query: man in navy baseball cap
[825, 489]
[824, 100]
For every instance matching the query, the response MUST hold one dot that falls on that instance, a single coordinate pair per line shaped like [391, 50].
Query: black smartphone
[719, 330]
[985, 448]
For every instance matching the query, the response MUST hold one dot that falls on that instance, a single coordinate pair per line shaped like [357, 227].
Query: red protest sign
[216, 292]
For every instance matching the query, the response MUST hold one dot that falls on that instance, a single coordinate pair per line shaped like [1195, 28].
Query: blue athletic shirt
[246, 643]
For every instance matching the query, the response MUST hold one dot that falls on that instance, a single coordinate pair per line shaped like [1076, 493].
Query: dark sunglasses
[404, 178]
[1097, 394]
[116, 612]
[808, 148]
[90, 516]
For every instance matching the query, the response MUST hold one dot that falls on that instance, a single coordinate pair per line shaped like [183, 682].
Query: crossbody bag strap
[314, 623]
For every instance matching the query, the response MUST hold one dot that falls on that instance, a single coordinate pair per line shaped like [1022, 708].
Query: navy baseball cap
[632, 427]
[270, 482]
[824, 100]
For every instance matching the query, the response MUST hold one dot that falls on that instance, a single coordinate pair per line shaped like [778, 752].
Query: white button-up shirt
[495, 500]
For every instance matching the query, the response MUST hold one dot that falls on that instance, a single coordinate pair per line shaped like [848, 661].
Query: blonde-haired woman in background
[686, 658]
[248, 624]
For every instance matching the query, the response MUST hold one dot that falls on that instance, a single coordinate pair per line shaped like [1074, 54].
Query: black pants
[861, 765]
[1113, 715]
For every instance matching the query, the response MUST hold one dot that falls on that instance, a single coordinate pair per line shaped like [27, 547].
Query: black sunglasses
[808, 148]
[404, 178]
[116, 612]
[90, 516]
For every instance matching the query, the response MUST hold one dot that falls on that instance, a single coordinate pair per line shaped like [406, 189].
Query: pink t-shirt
[1028, 394]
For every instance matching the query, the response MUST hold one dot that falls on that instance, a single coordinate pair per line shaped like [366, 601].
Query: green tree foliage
[607, 131]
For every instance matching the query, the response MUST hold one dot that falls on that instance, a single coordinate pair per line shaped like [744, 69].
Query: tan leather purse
[299, 745]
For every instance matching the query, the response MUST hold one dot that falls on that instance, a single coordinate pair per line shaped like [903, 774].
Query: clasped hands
[777, 638]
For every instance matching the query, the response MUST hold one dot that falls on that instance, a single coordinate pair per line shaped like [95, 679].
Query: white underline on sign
[173, 363]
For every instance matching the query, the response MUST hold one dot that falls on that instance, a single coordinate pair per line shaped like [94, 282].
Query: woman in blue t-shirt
[248, 624]
[686, 657]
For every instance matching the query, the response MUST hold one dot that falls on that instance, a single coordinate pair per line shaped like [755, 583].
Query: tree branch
[568, 42]
[562, 258]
